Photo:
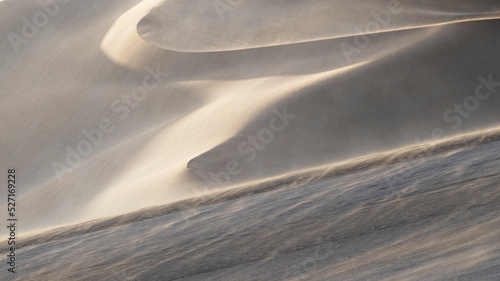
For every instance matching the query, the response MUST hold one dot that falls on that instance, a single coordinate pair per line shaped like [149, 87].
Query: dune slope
[435, 220]
[103, 121]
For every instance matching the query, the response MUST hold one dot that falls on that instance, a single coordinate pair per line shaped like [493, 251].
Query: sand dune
[404, 159]
[349, 224]
[207, 26]
[384, 96]
[109, 107]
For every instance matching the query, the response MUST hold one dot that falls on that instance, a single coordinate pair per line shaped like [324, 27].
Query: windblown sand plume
[251, 140]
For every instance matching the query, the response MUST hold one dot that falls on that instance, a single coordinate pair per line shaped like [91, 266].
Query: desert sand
[234, 140]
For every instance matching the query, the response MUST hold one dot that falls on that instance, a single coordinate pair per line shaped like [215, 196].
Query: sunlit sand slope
[207, 26]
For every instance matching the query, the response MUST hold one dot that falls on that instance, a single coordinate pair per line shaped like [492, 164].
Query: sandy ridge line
[277, 183]
[187, 49]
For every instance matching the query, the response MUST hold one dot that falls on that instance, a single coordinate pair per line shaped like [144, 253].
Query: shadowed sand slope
[391, 101]
[404, 159]
[435, 220]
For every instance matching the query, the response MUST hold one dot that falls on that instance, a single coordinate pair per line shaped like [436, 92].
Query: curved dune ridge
[120, 105]
[211, 26]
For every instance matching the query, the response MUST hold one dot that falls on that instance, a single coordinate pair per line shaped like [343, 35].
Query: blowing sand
[109, 107]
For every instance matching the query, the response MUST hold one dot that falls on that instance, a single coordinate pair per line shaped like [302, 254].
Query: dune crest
[211, 26]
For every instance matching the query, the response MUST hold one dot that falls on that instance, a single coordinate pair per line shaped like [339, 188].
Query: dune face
[169, 110]
[109, 107]
[372, 107]
[351, 226]
[205, 26]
